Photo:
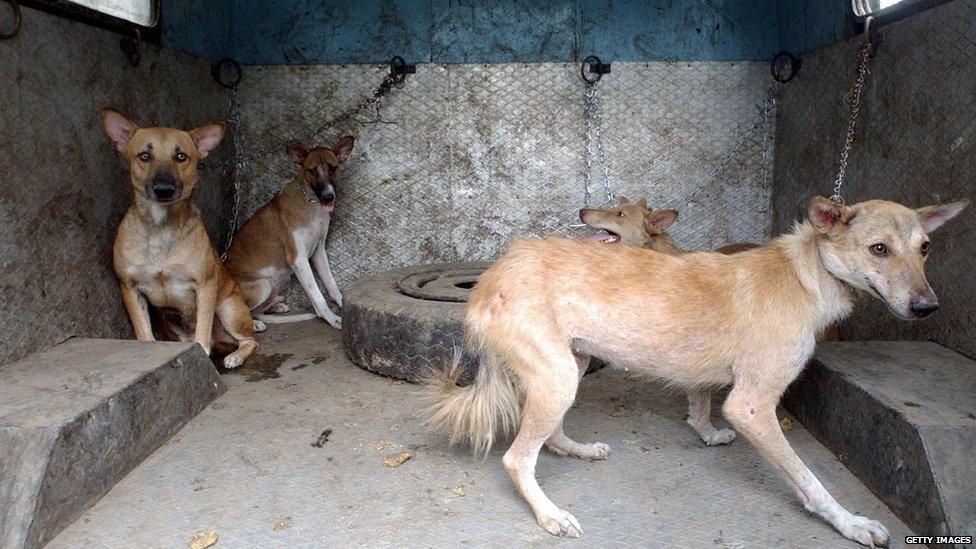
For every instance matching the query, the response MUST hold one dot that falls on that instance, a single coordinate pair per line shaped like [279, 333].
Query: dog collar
[311, 199]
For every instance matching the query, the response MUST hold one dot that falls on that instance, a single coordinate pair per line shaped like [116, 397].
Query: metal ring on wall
[220, 70]
[18, 20]
[781, 72]
[590, 61]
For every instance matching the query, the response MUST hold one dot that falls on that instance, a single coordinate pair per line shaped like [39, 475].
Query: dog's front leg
[206, 307]
[304, 273]
[751, 408]
[321, 260]
[138, 309]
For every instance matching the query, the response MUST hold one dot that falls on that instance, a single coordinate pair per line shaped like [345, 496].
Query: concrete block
[76, 418]
[902, 417]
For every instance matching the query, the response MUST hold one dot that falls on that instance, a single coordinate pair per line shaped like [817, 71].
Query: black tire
[402, 322]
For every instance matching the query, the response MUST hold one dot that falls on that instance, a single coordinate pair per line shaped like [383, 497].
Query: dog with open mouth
[288, 236]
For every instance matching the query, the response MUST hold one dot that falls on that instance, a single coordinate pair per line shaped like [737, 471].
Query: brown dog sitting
[288, 235]
[162, 253]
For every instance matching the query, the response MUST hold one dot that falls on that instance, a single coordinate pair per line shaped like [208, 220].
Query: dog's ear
[932, 217]
[659, 221]
[344, 147]
[642, 203]
[829, 217]
[623, 200]
[297, 153]
[118, 127]
[207, 137]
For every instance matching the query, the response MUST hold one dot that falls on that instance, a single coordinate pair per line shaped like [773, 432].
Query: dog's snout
[923, 306]
[328, 196]
[164, 187]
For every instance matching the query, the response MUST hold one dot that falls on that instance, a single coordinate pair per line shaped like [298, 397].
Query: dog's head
[630, 223]
[320, 168]
[880, 247]
[162, 161]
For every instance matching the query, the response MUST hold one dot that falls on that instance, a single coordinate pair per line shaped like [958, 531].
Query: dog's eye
[180, 157]
[925, 248]
[313, 171]
[620, 214]
[879, 250]
[145, 156]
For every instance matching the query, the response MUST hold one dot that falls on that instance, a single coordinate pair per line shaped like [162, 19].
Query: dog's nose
[583, 213]
[328, 196]
[164, 187]
[924, 306]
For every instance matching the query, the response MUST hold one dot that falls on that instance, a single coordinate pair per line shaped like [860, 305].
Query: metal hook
[784, 66]
[227, 72]
[399, 69]
[872, 36]
[18, 19]
[596, 66]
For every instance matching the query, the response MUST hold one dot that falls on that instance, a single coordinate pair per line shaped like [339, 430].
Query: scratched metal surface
[916, 143]
[62, 188]
[465, 158]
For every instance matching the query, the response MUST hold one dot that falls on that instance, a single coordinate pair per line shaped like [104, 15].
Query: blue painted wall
[486, 31]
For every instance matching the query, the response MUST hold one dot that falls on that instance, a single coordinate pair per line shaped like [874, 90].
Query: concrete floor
[258, 468]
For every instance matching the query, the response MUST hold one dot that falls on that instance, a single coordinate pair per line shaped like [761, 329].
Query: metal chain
[862, 71]
[388, 83]
[236, 120]
[764, 111]
[593, 115]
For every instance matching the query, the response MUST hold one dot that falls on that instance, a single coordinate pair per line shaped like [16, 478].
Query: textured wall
[473, 31]
[63, 188]
[467, 157]
[916, 143]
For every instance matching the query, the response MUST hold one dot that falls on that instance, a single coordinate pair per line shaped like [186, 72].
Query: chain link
[764, 111]
[241, 158]
[593, 114]
[236, 121]
[862, 71]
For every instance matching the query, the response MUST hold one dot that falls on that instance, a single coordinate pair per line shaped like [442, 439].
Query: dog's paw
[279, 308]
[259, 326]
[561, 524]
[719, 437]
[231, 361]
[865, 531]
[596, 451]
[334, 321]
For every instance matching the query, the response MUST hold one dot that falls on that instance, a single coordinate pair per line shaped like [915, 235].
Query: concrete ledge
[74, 419]
[902, 417]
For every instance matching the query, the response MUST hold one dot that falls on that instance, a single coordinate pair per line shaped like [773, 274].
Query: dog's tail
[476, 414]
[285, 319]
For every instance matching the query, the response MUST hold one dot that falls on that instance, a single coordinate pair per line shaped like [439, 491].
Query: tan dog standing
[694, 320]
[162, 254]
[286, 233]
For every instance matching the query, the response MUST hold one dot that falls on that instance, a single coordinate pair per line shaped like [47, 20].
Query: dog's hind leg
[236, 320]
[699, 417]
[751, 408]
[565, 446]
[549, 377]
